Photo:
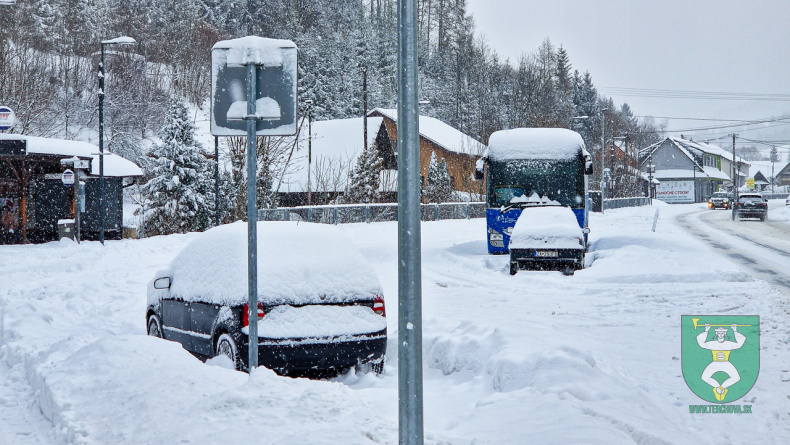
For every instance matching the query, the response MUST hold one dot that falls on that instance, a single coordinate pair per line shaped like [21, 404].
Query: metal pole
[252, 217]
[365, 107]
[101, 147]
[216, 180]
[76, 186]
[309, 153]
[409, 260]
[734, 178]
[603, 156]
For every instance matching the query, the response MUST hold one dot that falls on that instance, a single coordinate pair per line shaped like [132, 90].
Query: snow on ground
[533, 358]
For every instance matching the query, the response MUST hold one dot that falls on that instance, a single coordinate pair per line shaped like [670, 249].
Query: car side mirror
[588, 168]
[478, 174]
[162, 283]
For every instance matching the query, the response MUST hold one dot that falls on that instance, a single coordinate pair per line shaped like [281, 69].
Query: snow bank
[298, 263]
[546, 227]
[534, 143]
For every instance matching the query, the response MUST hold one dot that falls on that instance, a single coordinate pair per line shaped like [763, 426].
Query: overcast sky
[689, 45]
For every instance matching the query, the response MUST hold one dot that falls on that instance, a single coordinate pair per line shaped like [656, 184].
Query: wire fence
[355, 213]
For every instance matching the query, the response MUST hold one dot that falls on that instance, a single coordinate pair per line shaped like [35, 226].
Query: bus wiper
[512, 206]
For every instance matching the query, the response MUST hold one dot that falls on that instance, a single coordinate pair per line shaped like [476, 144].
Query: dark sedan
[751, 205]
[320, 304]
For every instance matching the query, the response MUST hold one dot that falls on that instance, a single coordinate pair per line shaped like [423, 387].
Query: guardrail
[355, 213]
[616, 203]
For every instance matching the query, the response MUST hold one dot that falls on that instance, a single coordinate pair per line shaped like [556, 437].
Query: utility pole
[365, 107]
[734, 177]
[603, 155]
[309, 103]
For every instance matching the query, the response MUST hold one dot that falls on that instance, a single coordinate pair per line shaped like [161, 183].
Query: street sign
[750, 183]
[82, 164]
[275, 81]
[67, 178]
[7, 118]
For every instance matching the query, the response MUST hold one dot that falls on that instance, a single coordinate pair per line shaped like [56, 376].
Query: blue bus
[533, 166]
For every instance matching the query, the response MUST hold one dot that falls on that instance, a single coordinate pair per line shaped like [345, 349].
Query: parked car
[320, 304]
[719, 200]
[547, 237]
[751, 205]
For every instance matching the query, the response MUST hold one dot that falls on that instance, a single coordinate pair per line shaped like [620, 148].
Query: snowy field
[533, 358]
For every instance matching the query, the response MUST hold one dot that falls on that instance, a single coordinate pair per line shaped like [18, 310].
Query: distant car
[787, 201]
[751, 205]
[719, 200]
[320, 304]
[547, 237]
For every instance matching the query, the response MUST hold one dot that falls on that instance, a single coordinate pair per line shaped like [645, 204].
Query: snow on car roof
[534, 143]
[298, 263]
[546, 227]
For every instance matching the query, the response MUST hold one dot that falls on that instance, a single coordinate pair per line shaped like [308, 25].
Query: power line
[705, 95]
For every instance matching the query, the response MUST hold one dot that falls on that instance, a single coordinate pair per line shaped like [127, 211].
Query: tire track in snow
[748, 247]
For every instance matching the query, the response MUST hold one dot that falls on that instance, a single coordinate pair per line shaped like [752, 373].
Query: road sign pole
[252, 216]
[409, 256]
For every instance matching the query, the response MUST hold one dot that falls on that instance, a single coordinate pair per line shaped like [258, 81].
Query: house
[328, 150]
[783, 175]
[690, 171]
[30, 178]
[459, 151]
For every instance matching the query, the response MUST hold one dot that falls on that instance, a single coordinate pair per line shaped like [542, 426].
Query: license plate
[546, 253]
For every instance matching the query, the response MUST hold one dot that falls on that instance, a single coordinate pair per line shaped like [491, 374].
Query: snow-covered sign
[7, 118]
[275, 95]
[67, 178]
[674, 192]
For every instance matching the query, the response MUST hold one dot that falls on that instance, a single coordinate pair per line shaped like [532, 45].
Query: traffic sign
[7, 118]
[67, 178]
[275, 86]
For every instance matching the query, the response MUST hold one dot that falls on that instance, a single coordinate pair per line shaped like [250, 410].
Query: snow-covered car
[751, 205]
[719, 200]
[320, 304]
[547, 237]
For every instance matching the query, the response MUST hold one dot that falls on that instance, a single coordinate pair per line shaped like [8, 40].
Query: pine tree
[437, 187]
[365, 179]
[179, 197]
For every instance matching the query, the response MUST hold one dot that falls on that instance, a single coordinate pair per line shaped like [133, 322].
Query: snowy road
[761, 247]
[532, 358]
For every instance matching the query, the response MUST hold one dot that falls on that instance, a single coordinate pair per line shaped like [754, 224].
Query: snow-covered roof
[713, 172]
[114, 165]
[441, 134]
[534, 143]
[336, 143]
[298, 263]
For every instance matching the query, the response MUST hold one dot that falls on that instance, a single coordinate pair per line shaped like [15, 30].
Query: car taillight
[378, 305]
[245, 318]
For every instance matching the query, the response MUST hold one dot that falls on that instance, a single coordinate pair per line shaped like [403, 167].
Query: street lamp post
[309, 103]
[102, 210]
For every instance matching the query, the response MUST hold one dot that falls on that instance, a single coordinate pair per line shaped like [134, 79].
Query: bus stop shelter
[30, 179]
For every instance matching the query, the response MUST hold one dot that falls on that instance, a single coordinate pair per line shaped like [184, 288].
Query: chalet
[690, 171]
[30, 178]
[329, 151]
[783, 175]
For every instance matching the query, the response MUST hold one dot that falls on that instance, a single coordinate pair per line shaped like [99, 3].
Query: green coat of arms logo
[720, 355]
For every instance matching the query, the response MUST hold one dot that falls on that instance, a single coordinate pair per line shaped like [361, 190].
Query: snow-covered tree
[179, 197]
[437, 187]
[365, 179]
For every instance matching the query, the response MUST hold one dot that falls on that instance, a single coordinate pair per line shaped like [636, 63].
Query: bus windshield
[559, 180]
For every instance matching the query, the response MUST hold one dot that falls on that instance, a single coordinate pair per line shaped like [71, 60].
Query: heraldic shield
[720, 355]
